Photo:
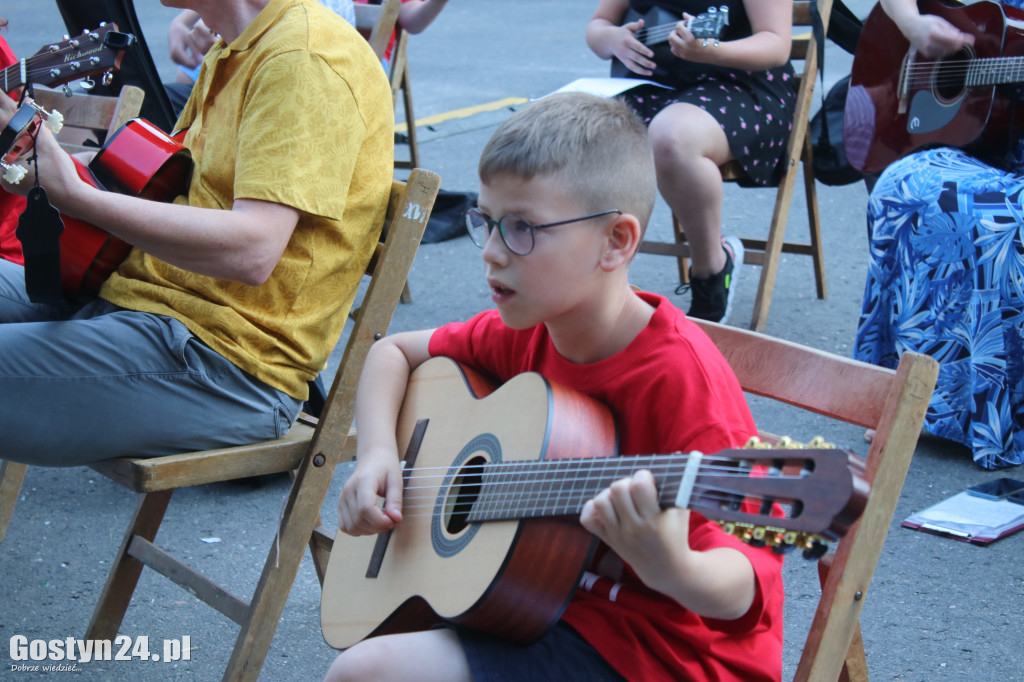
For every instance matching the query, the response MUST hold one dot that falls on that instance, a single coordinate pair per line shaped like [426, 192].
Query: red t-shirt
[11, 205]
[670, 390]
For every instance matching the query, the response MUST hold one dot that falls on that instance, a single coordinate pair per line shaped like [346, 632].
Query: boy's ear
[622, 236]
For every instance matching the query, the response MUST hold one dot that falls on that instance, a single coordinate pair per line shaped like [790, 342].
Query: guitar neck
[535, 489]
[15, 76]
[995, 71]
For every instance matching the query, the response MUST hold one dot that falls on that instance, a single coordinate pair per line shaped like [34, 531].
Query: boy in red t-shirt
[567, 188]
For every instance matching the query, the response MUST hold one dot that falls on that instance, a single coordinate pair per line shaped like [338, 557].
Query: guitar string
[426, 506]
[553, 496]
[956, 72]
[31, 62]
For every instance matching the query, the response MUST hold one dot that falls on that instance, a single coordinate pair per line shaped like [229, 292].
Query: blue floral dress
[946, 278]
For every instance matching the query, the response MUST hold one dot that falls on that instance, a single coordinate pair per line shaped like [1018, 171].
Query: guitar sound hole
[950, 76]
[463, 494]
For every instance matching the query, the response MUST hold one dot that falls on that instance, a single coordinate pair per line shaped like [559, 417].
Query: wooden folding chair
[90, 119]
[399, 77]
[86, 117]
[766, 252]
[893, 403]
[376, 21]
[312, 449]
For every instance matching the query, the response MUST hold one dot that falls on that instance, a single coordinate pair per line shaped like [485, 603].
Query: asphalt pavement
[938, 609]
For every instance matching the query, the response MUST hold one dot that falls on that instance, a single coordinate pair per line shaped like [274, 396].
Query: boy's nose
[494, 248]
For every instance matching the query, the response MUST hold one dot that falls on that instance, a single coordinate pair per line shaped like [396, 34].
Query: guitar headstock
[16, 137]
[94, 52]
[709, 25]
[786, 495]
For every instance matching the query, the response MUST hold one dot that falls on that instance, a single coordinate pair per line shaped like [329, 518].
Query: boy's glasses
[516, 232]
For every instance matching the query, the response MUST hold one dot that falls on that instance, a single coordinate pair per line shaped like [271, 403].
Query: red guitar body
[139, 160]
[900, 102]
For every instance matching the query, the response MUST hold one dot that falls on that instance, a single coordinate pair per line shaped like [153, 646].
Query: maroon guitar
[900, 102]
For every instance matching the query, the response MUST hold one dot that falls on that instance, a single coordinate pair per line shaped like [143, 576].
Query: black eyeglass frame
[499, 223]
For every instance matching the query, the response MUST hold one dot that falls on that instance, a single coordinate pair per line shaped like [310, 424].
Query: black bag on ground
[446, 221]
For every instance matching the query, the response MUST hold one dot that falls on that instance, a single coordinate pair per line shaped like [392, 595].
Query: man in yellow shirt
[233, 295]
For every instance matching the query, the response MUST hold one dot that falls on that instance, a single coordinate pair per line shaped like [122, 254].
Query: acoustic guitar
[659, 24]
[495, 479]
[900, 102]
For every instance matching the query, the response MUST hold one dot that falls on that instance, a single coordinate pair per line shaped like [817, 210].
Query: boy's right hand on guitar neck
[359, 509]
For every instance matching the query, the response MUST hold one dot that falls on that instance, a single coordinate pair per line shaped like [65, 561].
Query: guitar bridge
[903, 89]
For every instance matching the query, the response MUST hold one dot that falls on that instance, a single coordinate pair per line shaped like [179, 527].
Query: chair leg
[855, 666]
[11, 476]
[814, 219]
[125, 572]
[320, 545]
[773, 251]
[680, 237]
[295, 531]
[414, 147]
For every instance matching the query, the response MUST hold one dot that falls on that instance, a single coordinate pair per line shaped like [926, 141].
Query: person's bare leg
[429, 656]
[689, 146]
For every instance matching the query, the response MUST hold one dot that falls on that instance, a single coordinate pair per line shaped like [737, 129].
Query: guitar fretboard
[995, 71]
[533, 489]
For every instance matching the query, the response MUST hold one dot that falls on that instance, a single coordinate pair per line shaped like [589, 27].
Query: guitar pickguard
[927, 114]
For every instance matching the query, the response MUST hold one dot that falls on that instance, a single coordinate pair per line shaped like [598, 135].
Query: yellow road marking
[462, 113]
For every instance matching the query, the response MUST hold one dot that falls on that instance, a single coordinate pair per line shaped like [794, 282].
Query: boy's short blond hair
[597, 145]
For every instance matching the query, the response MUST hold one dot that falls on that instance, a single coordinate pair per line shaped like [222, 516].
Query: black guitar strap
[844, 29]
[39, 229]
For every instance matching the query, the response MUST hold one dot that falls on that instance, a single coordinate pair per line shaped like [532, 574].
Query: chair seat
[147, 475]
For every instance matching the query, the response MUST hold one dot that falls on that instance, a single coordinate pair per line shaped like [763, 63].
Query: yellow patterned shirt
[297, 111]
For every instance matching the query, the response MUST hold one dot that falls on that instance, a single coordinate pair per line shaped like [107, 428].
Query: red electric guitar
[99, 51]
[899, 102]
[494, 484]
[139, 159]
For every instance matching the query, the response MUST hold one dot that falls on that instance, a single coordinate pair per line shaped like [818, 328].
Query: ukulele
[899, 101]
[139, 160]
[494, 484]
[659, 24]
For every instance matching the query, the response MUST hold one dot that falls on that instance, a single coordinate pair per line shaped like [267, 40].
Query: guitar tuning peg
[87, 84]
[108, 78]
[54, 121]
[817, 550]
[66, 89]
[15, 173]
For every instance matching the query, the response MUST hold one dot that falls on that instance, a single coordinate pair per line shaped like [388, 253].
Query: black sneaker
[711, 298]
